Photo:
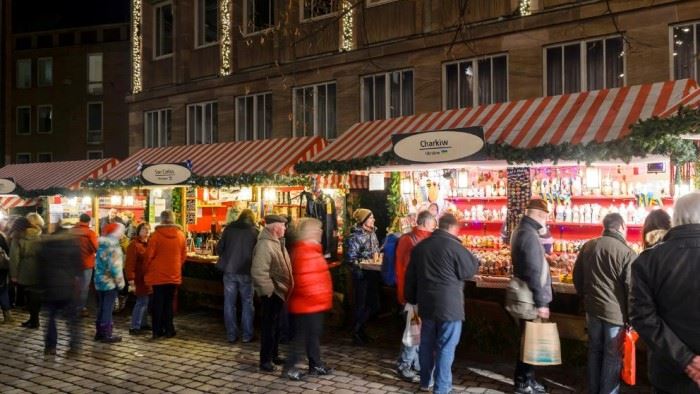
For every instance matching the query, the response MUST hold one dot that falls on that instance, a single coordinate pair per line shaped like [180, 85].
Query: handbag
[628, 373]
[520, 302]
[411, 333]
[541, 344]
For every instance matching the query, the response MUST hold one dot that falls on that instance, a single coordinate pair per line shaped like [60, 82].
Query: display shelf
[470, 199]
[665, 199]
[211, 206]
[588, 225]
[288, 205]
[481, 222]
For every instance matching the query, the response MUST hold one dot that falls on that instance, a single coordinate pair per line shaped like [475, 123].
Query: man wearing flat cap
[272, 277]
[531, 267]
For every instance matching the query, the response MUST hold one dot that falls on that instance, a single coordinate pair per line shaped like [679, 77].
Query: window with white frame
[94, 155]
[312, 9]
[94, 123]
[202, 123]
[24, 73]
[94, 73]
[586, 65]
[24, 120]
[207, 22]
[44, 71]
[685, 41]
[44, 119]
[314, 110]
[164, 30]
[259, 15]
[156, 129]
[254, 117]
[387, 95]
[472, 82]
[23, 158]
[44, 157]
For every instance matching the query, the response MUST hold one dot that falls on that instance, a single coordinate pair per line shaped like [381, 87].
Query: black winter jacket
[58, 265]
[435, 277]
[665, 307]
[235, 248]
[527, 257]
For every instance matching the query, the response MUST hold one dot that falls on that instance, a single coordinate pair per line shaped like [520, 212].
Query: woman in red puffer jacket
[311, 296]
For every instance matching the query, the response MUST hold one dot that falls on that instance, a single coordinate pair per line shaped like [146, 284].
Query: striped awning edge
[601, 115]
[57, 174]
[335, 181]
[8, 203]
[691, 100]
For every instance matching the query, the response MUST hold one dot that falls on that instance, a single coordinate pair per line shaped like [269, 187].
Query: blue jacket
[360, 245]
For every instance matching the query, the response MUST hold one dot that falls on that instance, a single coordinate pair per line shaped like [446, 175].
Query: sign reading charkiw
[439, 146]
[7, 185]
[165, 174]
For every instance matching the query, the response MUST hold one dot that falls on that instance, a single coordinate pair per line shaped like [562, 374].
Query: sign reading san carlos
[165, 174]
[439, 146]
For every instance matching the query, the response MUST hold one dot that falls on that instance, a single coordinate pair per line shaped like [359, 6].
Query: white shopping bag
[411, 334]
[540, 344]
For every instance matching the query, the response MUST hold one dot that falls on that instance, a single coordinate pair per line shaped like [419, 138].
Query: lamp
[73, 201]
[87, 200]
[129, 200]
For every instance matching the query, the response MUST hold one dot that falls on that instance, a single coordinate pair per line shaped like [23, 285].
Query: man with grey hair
[664, 306]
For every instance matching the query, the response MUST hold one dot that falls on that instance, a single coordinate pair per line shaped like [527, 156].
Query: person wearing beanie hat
[24, 265]
[109, 279]
[87, 239]
[363, 245]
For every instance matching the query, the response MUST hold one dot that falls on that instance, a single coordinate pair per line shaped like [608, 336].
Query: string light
[136, 47]
[225, 15]
[347, 31]
[525, 7]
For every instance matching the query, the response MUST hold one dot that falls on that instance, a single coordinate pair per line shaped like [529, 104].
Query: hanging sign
[7, 185]
[439, 146]
[165, 174]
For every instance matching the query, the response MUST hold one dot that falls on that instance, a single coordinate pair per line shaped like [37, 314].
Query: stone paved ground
[199, 360]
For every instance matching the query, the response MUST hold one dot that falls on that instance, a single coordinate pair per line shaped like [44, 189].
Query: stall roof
[9, 202]
[277, 155]
[691, 100]
[600, 115]
[57, 174]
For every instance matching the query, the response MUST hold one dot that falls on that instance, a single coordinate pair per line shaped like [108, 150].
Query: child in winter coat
[109, 279]
[135, 270]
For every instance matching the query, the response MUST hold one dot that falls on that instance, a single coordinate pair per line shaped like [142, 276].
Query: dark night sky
[38, 15]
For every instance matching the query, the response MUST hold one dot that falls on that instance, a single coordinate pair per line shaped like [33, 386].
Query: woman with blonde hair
[24, 267]
[311, 296]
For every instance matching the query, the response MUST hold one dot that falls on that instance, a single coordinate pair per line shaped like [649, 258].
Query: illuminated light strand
[136, 47]
[525, 7]
[225, 7]
[347, 39]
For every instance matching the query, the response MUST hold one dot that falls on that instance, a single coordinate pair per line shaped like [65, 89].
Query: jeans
[271, 308]
[408, 357]
[235, 285]
[68, 311]
[85, 278]
[366, 290]
[162, 310]
[105, 306]
[604, 358]
[4, 290]
[138, 315]
[438, 341]
[309, 328]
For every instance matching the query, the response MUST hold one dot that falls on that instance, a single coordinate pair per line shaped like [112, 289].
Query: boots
[7, 315]
[109, 337]
[99, 332]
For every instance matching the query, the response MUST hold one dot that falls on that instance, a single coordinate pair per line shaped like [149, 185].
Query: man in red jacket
[87, 239]
[408, 363]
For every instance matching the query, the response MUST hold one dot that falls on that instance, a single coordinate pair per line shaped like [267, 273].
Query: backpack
[389, 260]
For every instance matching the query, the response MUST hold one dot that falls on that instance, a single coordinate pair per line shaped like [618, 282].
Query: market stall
[587, 154]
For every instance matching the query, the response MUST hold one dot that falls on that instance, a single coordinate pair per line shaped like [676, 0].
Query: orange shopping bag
[628, 374]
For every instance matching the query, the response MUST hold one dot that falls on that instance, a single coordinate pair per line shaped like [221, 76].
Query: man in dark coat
[530, 266]
[602, 277]
[665, 303]
[435, 277]
[235, 250]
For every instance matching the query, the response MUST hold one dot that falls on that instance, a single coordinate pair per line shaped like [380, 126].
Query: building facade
[66, 77]
[223, 70]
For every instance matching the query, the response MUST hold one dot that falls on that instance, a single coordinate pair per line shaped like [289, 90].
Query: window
[312, 9]
[207, 22]
[259, 14]
[44, 41]
[314, 110]
[88, 37]
[66, 39]
[686, 47]
[94, 154]
[95, 73]
[387, 95]
[94, 123]
[23, 158]
[44, 119]
[587, 65]
[24, 73]
[468, 83]
[24, 120]
[44, 71]
[157, 128]
[44, 157]
[202, 123]
[23, 43]
[254, 117]
[164, 30]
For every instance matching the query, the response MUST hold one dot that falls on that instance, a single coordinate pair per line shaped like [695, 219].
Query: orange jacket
[165, 255]
[87, 239]
[134, 266]
[403, 254]
[313, 287]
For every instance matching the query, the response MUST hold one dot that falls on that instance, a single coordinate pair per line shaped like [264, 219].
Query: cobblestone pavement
[200, 360]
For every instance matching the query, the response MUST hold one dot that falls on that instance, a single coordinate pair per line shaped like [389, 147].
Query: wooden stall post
[96, 213]
[183, 207]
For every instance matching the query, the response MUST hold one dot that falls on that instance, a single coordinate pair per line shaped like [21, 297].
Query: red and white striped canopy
[57, 174]
[600, 115]
[336, 181]
[10, 202]
[691, 100]
[277, 155]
